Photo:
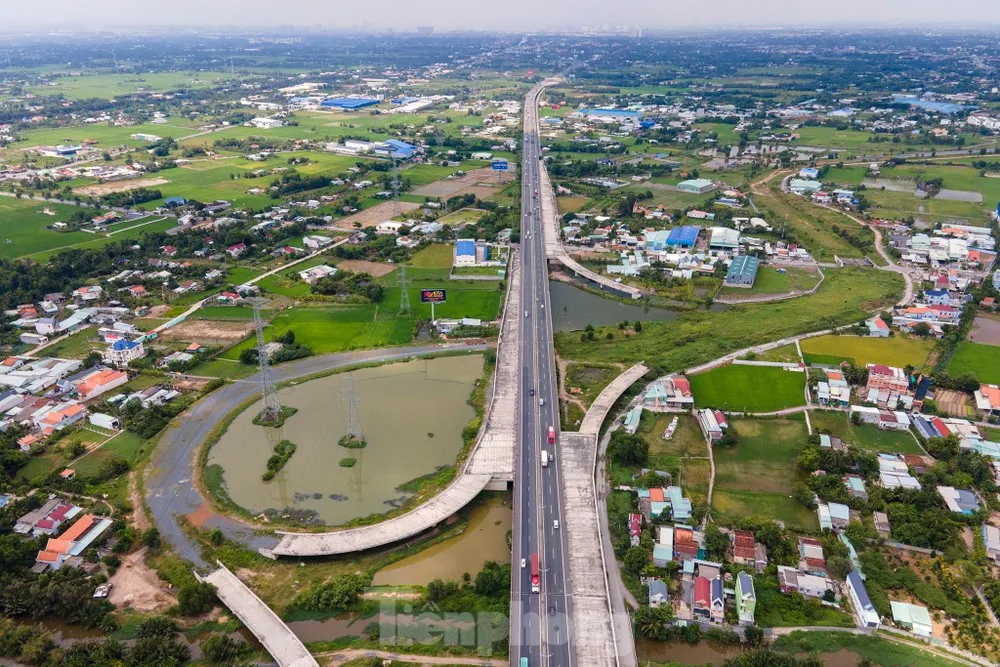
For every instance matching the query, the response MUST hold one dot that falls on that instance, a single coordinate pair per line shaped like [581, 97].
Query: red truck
[552, 436]
[534, 573]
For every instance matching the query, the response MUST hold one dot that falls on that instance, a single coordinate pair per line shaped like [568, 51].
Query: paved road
[539, 622]
[169, 485]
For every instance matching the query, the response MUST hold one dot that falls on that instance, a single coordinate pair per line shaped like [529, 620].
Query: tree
[222, 648]
[151, 537]
[716, 542]
[650, 622]
[921, 329]
[196, 598]
[628, 449]
[754, 635]
[635, 559]
[637, 326]
[155, 626]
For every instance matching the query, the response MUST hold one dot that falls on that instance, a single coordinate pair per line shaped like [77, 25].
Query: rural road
[169, 480]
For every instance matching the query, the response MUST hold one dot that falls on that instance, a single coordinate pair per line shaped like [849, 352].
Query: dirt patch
[139, 517]
[208, 332]
[953, 402]
[158, 311]
[480, 191]
[138, 587]
[99, 189]
[985, 330]
[364, 266]
[189, 384]
[463, 184]
[200, 516]
[374, 215]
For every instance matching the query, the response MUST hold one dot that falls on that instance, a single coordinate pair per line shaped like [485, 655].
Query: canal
[412, 415]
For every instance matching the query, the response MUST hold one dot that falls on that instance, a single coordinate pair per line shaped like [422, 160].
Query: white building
[863, 608]
[315, 273]
[121, 352]
[266, 123]
[316, 242]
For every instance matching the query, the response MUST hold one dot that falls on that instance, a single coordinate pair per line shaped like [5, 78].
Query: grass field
[770, 281]
[896, 351]
[977, 359]
[864, 436]
[757, 476]
[695, 474]
[786, 353]
[847, 295]
[127, 231]
[876, 649]
[748, 388]
[108, 86]
[23, 227]
[435, 256]
[76, 346]
[125, 445]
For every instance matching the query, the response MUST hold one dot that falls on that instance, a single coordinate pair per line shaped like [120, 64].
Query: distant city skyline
[511, 15]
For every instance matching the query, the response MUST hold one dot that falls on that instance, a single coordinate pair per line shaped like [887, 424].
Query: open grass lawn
[288, 283]
[748, 388]
[77, 346]
[131, 231]
[572, 203]
[435, 256]
[893, 204]
[977, 359]
[775, 609]
[770, 281]
[756, 477]
[876, 649]
[895, 351]
[687, 440]
[461, 216]
[811, 225]
[864, 436]
[589, 380]
[695, 474]
[242, 313]
[108, 86]
[786, 354]
[23, 227]
[224, 368]
[125, 445]
[847, 295]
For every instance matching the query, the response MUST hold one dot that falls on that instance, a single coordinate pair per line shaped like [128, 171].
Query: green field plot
[877, 650]
[23, 227]
[788, 354]
[896, 351]
[224, 368]
[77, 346]
[864, 436]
[104, 136]
[124, 231]
[436, 256]
[695, 474]
[776, 609]
[977, 359]
[288, 283]
[748, 388]
[586, 381]
[847, 295]
[756, 477]
[687, 440]
[462, 216]
[242, 313]
[109, 86]
[126, 446]
[830, 137]
[771, 281]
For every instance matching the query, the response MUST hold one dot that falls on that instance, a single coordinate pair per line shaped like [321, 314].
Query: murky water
[484, 539]
[329, 629]
[702, 653]
[412, 415]
[574, 308]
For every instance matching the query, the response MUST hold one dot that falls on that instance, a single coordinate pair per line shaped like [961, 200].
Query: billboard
[500, 165]
[433, 295]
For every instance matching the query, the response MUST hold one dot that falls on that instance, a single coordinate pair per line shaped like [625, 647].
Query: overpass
[490, 466]
[554, 249]
[265, 625]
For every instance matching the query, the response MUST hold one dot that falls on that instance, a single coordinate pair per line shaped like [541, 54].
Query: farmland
[748, 388]
[977, 359]
[756, 477]
[864, 436]
[896, 351]
[24, 227]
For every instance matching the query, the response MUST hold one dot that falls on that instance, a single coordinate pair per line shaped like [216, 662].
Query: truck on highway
[534, 573]
[552, 436]
[545, 459]
[524, 662]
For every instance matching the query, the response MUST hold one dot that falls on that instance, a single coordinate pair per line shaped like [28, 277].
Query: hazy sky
[486, 14]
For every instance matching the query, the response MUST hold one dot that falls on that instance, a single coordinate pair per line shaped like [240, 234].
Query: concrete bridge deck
[491, 464]
[265, 625]
[554, 248]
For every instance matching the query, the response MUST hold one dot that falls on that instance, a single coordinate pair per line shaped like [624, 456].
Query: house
[718, 601]
[895, 474]
[105, 421]
[710, 424]
[186, 286]
[702, 600]
[137, 291]
[811, 558]
[881, 376]
[863, 607]
[229, 297]
[316, 242]
[673, 393]
[791, 580]
[746, 599]
[809, 173]
[46, 519]
[834, 394]
[658, 593]
[687, 543]
[72, 543]
[88, 293]
[315, 273]
[61, 416]
[991, 537]
[744, 552]
[235, 251]
[833, 516]
[884, 530]
[937, 297]
[912, 617]
[98, 382]
[724, 239]
[634, 528]
[855, 487]
[960, 501]
[698, 186]
[988, 400]
[877, 328]
[742, 272]
[122, 352]
[266, 123]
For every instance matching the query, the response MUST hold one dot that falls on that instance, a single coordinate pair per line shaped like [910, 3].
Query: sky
[488, 14]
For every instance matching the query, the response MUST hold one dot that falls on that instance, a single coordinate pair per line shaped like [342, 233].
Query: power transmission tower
[270, 407]
[353, 423]
[404, 295]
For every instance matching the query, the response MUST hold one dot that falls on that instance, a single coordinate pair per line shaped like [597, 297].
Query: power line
[270, 407]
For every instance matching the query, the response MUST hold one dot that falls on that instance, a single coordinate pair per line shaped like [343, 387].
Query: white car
[555, 524]
[523, 563]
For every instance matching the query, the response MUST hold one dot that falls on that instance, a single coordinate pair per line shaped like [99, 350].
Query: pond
[702, 653]
[484, 539]
[411, 414]
[574, 308]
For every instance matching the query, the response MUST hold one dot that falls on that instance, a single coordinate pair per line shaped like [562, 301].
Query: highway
[540, 623]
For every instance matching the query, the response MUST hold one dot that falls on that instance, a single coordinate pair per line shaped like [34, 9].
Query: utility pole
[404, 295]
[270, 407]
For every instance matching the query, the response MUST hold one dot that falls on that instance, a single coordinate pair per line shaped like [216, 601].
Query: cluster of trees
[289, 350]
[131, 197]
[147, 422]
[65, 593]
[347, 283]
[338, 594]
[489, 591]
[292, 182]
[376, 248]
[627, 449]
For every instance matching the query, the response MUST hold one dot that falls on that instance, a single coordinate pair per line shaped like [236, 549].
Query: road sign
[500, 165]
[433, 295]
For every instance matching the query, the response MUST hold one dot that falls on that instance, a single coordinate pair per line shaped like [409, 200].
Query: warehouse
[698, 186]
[349, 103]
[742, 272]
[683, 237]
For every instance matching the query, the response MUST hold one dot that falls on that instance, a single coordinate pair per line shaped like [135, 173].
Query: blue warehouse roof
[686, 235]
[465, 247]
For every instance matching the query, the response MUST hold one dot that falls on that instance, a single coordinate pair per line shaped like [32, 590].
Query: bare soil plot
[953, 402]
[447, 188]
[374, 215]
[209, 332]
[985, 330]
[138, 587]
[99, 189]
[480, 191]
[364, 266]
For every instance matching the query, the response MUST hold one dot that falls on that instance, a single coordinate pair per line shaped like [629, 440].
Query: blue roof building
[465, 247]
[683, 237]
[174, 201]
[349, 103]
[680, 506]
[400, 149]
[612, 113]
